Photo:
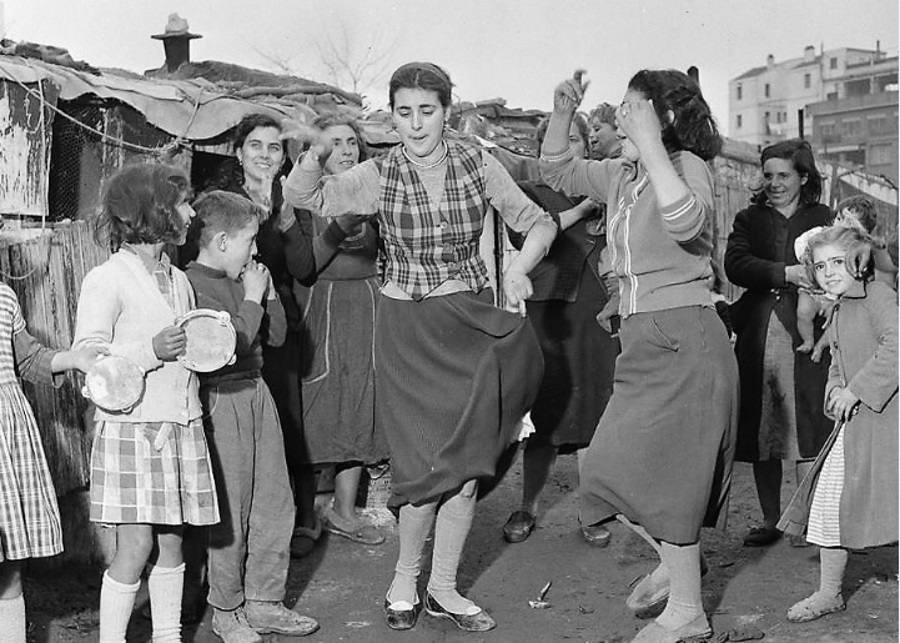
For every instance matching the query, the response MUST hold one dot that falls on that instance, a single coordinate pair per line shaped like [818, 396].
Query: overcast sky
[516, 49]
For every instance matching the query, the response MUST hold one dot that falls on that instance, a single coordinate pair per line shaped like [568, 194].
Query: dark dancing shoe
[479, 621]
[518, 527]
[761, 537]
[401, 615]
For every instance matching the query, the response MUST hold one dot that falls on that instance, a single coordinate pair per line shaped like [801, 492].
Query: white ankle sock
[12, 616]
[116, 603]
[166, 585]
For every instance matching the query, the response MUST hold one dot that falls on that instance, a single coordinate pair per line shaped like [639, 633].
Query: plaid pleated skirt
[152, 472]
[29, 515]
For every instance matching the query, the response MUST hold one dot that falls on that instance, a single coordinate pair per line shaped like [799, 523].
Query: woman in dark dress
[579, 355]
[782, 390]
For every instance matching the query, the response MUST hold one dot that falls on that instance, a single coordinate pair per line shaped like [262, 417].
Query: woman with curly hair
[660, 458]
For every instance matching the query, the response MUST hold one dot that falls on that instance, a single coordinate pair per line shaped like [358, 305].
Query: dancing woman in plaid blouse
[29, 516]
[150, 467]
[445, 356]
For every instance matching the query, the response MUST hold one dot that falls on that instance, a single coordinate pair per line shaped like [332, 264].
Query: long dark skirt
[454, 375]
[579, 361]
[663, 449]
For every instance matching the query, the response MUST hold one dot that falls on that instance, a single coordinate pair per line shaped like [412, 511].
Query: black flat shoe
[480, 621]
[401, 619]
[761, 537]
[518, 527]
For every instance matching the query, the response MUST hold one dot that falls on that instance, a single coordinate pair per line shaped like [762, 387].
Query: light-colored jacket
[660, 255]
[122, 308]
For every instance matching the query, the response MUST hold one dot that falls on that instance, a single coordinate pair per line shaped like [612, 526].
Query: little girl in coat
[150, 466]
[849, 499]
[29, 516]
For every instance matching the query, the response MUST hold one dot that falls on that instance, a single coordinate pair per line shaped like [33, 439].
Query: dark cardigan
[760, 245]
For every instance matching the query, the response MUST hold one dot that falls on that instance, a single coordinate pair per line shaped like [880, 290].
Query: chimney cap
[176, 27]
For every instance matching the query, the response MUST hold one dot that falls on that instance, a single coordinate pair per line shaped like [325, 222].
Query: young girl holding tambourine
[150, 467]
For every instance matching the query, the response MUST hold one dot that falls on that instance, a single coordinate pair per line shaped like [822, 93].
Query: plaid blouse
[426, 245]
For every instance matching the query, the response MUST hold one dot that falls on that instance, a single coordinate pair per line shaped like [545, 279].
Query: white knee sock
[116, 603]
[415, 525]
[454, 520]
[12, 618]
[165, 585]
[832, 562]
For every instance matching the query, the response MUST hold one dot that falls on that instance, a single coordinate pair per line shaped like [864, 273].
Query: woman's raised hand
[568, 94]
[319, 144]
[639, 122]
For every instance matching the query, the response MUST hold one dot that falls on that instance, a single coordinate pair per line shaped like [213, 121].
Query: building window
[877, 125]
[767, 90]
[832, 64]
[740, 121]
[851, 126]
[740, 92]
[831, 96]
[807, 81]
[880, 154]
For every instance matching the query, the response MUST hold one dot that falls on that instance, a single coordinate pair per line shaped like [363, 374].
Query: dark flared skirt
[579, 362]
[454, 376]
[663, 450]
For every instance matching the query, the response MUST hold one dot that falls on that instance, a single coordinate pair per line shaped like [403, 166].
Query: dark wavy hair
[850, 240]
[693, 128]
[581, 125]
[248, 124]
[421, 75]
[325, 121]
[139, 205]
[800, 154]
[863, 208]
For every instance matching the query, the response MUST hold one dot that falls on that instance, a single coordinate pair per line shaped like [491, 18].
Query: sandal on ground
[649, 601]
[761, 537]
[518, 527]
[474, 620]
[694, 632]
[359, 533]
[815, 606]
[595, 535]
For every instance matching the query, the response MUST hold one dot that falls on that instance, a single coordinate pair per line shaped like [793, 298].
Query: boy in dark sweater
[249, 550]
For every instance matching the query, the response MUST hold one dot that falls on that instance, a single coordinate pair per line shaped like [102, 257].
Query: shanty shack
[65, 127]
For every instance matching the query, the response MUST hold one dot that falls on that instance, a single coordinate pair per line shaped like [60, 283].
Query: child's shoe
[812, 607]
[274, 618]
[232, 627]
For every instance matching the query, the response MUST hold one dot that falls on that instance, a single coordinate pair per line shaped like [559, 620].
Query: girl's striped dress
[29, 515]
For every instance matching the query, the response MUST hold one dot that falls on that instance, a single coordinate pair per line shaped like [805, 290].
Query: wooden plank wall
[45, 269]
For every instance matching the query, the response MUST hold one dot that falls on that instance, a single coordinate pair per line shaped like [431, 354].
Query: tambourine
[211, 340]
[114, 383]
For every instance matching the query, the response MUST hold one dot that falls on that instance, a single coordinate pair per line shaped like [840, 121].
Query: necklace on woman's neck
[427, 166]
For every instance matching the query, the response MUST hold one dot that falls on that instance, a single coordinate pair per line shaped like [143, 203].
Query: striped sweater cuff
[683, 218]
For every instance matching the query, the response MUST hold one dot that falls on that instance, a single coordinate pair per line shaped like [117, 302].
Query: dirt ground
[342, 584]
